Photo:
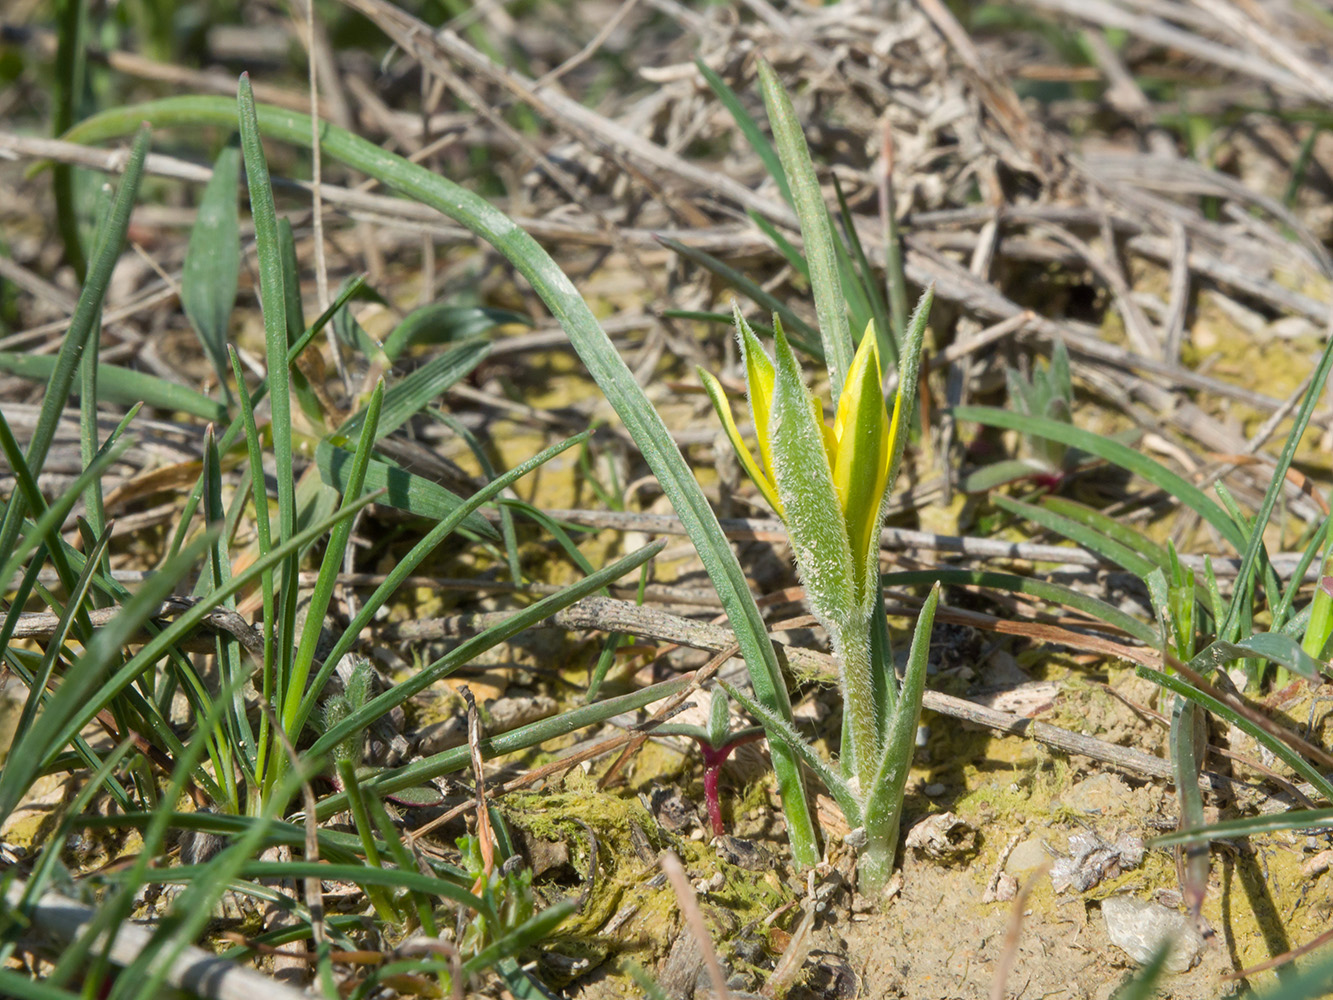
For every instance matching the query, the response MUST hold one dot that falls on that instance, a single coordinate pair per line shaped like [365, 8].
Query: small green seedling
[356, 692]
[1048, 463]
[716, 744]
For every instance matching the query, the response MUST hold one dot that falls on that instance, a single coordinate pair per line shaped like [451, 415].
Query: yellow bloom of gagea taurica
[828, 483]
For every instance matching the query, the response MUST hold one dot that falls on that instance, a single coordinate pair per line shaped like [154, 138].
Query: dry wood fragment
[194, 970]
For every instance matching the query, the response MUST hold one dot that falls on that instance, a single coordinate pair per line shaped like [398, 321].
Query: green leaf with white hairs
[810, 505]
[825, 279]
[840, 790]
[719, 718]
[884, 799]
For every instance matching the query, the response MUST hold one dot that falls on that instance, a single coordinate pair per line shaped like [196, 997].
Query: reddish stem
[714, 758]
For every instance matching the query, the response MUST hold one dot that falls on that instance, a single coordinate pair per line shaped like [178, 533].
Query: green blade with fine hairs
[588, 338]
[825, 279]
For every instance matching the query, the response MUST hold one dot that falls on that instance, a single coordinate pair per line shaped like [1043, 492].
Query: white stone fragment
[1139, 927]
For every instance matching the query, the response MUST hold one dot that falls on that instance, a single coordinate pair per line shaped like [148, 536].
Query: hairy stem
[860, 712]
[874, 865]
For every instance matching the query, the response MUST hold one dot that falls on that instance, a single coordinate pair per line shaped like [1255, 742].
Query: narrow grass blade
[193, 909]
[1115, 453]
[445, 324]
[28, 490]
[408, 563]
[211, 273]
[1188, 744]
[109, 638]
[492, 636]
[1248, 826]
[123, 386]
[382, 902]
[51, 518]
[84, 324]
[21, 988]
[71, 93]
[507, 529]
[116, 909]
[273, 305]
[1111, 528]
[1254, 546]
[410, 395]
[1080, 534]
[528, 934]
[93, 505]
[837, 787]
[523, 738]
[802, 334]
[69, 708]
[358, 874]
[1224, 711]
[1275, 647]
[1143, 984]
[404, 490]
[864, 278]
[815, 229]
[74, 608]
[330, 565]
[302, 391]
[754, 135]
[48, 865]
[1046, 591]
[909, 373]
[790, 252]
[997, 474]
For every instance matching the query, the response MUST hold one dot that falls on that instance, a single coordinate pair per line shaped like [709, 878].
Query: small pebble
[1138, 927]
[934, 790]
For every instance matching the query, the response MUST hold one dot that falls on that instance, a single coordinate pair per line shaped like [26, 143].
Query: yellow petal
[759, 376]
[861, 465]
[869, 345]
[718, 397]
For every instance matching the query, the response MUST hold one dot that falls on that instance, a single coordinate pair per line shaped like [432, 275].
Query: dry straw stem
[694, 920]
[651, 624]
[194, 970]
